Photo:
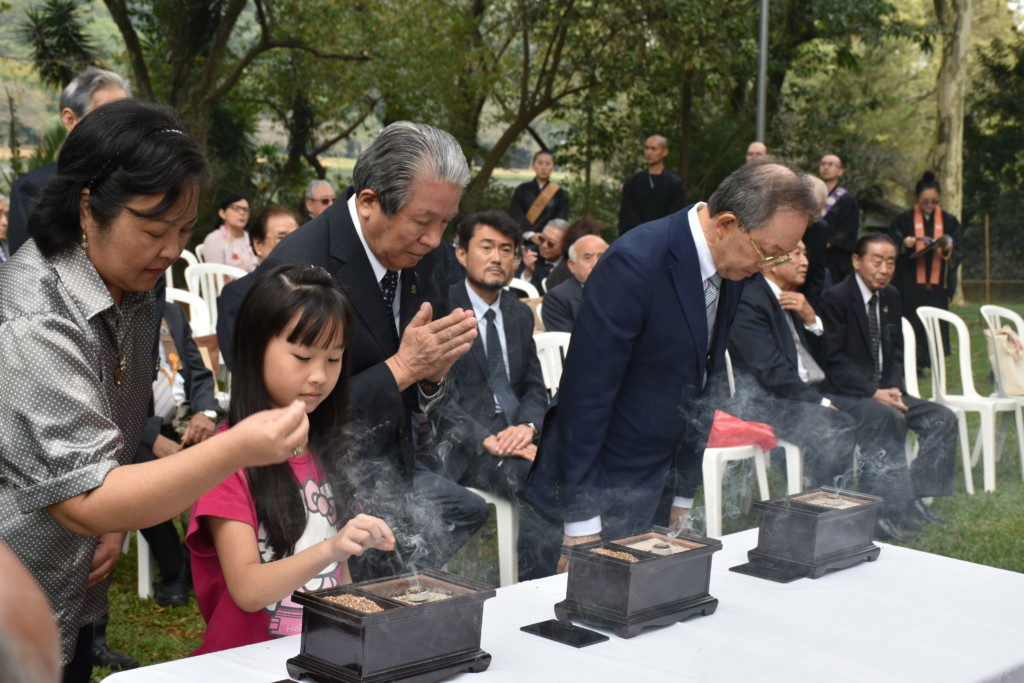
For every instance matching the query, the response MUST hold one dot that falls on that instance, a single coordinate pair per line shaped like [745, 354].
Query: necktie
[388, 287]
[711, 286]
[814, 372]
[506, 399]
[875, 339]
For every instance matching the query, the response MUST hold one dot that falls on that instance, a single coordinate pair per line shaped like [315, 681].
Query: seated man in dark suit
[499, 389]
[777, 350]
[184, 412]
[865, 360]
[562, 302]
[272, 225]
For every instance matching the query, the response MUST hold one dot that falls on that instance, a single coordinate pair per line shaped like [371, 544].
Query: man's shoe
[910, 520]
[885, 530]
[113, 660]
[171, 593]
[925, 513]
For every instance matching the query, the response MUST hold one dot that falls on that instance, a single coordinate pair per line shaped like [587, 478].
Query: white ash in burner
[419, 596]
[824, 499]
[658, 546]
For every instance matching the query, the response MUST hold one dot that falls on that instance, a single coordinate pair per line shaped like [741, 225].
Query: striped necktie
[711, 287]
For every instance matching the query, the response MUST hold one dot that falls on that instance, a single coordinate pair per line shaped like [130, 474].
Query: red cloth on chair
[728, 430]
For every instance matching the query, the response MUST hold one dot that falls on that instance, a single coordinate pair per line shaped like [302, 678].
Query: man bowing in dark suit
[500, 396]
[381, 246]
[865, 360]
[653, 326]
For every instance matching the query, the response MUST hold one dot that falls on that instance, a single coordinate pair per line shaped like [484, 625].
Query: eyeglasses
[929, 202]
[769, 261]
[541, 239]
[323, 201]
[239, 208]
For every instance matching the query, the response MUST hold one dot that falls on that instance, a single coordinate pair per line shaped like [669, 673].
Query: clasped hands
[428, 349]
[891, 397]
[516, 440]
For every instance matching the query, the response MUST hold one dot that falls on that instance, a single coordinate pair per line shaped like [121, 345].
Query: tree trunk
[475, 190]
[954, 16]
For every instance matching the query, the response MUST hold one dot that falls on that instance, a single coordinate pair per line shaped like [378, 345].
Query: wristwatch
[212, 414]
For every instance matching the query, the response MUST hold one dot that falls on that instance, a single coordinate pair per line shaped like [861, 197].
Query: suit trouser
[539, 535]
[881, 433]
[825, 435]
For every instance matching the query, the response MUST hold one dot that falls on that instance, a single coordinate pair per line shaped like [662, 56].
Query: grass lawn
[987, 528]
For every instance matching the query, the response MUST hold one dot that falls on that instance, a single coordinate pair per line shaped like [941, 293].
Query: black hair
[928, 181]
[544, 151]
[499, 220]
[273, 301]
[258, 226]
[226, 201]
[869, 238]
[124, 149]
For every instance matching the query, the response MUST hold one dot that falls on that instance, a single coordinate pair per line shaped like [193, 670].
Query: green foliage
[14, 143]
[994, 158]
[60, 46]
[48, 146]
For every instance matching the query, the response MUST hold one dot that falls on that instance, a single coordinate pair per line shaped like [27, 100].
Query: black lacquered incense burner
[413, 627]
[654, 578]
[812, 533]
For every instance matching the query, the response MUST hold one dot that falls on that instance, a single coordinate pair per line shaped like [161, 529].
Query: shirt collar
[480, 306]
[85, 286]
[776, 290]
[379, 271]
[865, 293]
[707, 264]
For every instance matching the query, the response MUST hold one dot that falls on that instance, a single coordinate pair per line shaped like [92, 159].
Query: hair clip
[171, 130]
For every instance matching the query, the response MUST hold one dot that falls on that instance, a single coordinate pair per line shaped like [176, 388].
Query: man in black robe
[652, 193]
[536, 202]
[843, 217]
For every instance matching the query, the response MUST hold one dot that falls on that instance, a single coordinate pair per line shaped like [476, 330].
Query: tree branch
[119, 12]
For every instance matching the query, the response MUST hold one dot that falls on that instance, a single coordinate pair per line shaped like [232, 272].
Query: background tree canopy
[281, 89]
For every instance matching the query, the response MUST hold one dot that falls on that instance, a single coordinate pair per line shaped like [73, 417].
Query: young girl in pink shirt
[265, 532]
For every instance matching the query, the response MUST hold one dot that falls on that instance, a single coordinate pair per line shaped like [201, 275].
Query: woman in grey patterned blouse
[77, 336]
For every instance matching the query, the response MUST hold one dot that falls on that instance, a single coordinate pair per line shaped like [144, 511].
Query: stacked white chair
[205, 280]
[713, 468]
[201, 253]
[912, 387]
[988, 407]
[508, 536]
[993, 316]
[198, 314]
[190, 260]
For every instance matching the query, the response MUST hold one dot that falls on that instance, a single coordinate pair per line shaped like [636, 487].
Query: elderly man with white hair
[563, 301]
[319, 196]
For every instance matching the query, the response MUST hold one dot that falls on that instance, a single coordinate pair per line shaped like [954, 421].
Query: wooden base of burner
[629, 626]
[418, 672]
[783, 570]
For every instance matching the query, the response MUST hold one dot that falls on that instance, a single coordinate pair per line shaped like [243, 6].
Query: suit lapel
[511, 324]
[779, 316]
[689, 285]
[351, 268]
[859, 309]
[459, 298]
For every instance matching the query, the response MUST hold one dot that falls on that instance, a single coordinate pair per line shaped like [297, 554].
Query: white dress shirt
[480, 307]
[379, 270]
[817, 329]
[866, 294]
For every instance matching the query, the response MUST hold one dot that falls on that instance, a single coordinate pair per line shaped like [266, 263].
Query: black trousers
[881, 432]
[79, 669]
[825, 435]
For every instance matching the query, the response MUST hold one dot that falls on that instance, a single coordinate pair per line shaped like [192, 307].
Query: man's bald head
[655, 151]
[756, 150]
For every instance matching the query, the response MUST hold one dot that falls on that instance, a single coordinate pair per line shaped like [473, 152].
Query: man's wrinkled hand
[429, 348]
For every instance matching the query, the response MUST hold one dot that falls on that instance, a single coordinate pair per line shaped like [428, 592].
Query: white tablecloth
[909, 616]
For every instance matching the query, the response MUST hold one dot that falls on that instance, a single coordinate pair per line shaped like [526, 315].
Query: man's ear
[460, 255]
[365, 201]
[68, 118]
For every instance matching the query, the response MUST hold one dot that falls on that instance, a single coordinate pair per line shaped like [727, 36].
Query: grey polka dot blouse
[75, 380]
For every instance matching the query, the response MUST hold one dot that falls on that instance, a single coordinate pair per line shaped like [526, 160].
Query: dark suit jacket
[24, 193]
[845, 317]
[761, 344]
[844, 224]
[632, 377]
[561, 305]
[199, 384]
[642, 203]
[474, 395]
[330, 241]
[228, 303]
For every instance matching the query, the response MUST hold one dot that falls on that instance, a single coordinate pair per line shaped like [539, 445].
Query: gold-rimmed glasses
[767, 261]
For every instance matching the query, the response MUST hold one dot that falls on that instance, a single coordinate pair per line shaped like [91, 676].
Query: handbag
[1006, 355]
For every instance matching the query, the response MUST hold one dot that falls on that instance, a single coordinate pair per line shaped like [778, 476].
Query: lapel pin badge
[412, 289]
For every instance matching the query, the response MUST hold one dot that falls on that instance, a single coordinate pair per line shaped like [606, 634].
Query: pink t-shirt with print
[227, 625]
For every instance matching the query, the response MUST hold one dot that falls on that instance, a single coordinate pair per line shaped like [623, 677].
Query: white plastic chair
[201, 253]
[993, 316]
[912, 387]
[970, 400]
[551, 350]
[190, 260]
[145, 563]
[523, 286]
[713, 468]
[198, 314]
[205, 280]
[508, 536]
